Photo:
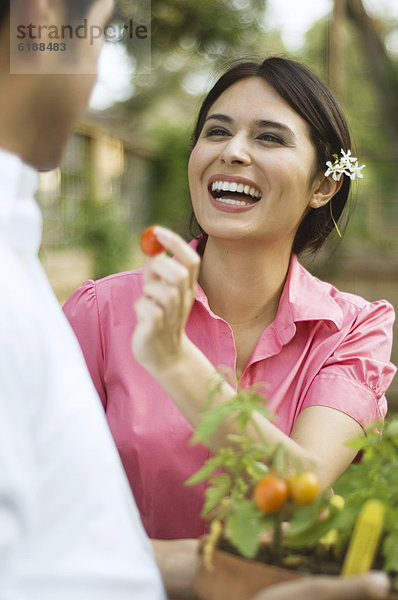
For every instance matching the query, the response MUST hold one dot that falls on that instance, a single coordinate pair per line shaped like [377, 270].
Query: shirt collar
[304, 298]
[20, 217]
[309, 298]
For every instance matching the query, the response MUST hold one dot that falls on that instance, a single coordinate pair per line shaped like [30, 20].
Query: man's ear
[324, 190]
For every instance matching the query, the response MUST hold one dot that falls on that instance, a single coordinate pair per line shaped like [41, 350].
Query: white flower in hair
[345, 165]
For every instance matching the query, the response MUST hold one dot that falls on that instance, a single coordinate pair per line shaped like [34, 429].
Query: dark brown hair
[309, 97]
[74, 9]
[77, 9]
[4, 11]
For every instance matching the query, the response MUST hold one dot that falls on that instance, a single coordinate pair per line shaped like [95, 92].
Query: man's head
[40, 107]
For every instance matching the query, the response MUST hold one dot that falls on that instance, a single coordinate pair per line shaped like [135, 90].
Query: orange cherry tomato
[303, 488]
[149, 242]
[270, 494]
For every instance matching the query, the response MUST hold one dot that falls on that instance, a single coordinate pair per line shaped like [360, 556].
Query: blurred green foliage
[169, 191]
[189, 38]
[106, 237]
[372, 215]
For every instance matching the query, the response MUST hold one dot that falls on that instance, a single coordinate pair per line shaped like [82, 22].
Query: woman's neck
[243, 283]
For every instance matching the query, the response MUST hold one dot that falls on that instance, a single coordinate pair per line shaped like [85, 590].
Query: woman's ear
[324, 190]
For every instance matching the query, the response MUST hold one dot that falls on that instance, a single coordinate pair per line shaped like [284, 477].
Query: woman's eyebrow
[259, 123]
[220, 117]
[275, 125]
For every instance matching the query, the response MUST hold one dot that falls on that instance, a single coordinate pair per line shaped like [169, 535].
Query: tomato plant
[303, 488]
[249, 496]
[270, 494]
[149, 242]
[254, 487]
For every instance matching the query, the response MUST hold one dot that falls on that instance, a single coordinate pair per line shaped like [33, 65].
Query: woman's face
[251, 172]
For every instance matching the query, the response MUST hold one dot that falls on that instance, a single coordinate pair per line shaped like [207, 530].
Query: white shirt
[69, 527]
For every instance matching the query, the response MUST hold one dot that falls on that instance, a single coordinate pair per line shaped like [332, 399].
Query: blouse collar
[304, 298]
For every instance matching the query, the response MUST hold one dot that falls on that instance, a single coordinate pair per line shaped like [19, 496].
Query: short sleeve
[81, 310]
[356, 376]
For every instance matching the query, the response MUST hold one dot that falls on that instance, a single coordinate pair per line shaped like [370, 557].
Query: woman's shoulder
[350, 301]
[123, 282]
[114, 290]
[351, 305]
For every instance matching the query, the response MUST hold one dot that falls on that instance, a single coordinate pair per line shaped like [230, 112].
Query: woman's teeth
[232, 201]
[232, 186]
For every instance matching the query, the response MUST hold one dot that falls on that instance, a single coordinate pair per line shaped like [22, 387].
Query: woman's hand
[370, 586]
[166, 301]
[177, 561]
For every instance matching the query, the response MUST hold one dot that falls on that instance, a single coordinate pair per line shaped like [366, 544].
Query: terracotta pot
[236, 578]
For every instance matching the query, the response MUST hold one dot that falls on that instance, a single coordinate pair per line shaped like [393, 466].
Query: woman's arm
[162, 347]
[318, 436]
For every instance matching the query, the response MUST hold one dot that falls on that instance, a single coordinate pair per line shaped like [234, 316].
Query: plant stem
[258, 431]
[277, 541]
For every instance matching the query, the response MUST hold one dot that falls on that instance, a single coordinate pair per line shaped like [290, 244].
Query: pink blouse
[324, 348]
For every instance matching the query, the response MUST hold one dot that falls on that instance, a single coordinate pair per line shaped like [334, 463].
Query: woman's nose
[236, 150]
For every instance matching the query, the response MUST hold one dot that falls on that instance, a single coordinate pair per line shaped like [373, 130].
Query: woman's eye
[270, 137]
[216, 131]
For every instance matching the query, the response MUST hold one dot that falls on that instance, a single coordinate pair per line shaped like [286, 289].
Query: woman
[260, 195]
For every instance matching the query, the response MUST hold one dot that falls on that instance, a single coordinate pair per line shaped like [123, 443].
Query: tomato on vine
[149, 242]
[270, 494]
[303, 488]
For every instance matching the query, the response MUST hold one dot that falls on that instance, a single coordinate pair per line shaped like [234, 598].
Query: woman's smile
[233, 193]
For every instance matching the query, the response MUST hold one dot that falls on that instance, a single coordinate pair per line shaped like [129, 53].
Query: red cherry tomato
[149, 242]
[270, 494]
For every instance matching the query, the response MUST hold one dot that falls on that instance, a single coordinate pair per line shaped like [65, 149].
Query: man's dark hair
[315, 103]
[75, 9]
[4, 11]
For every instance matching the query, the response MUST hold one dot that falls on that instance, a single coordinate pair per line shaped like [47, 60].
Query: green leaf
[303, 518]
[204, 472]
[242, 420]
[390, 552]
[279, 459]
[239, 489]
[218, 489]
[237, 439]
[391, 429]
[210, 422]
[244, 528]
[306, 528]
[265, 412]
[255, 468]
[229, 458]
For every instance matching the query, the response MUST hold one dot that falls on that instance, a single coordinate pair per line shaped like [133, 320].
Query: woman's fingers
[370, 586]
[150, 315]
[168, 283]
[166, 301]
[168, 297]
[171, 283]
[166, 269]
[181, 250]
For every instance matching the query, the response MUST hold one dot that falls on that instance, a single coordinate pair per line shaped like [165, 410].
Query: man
[69, 527]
